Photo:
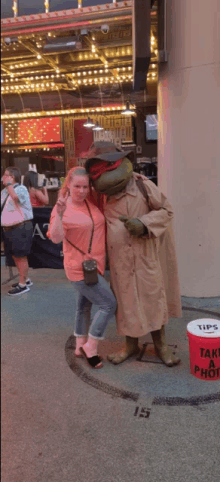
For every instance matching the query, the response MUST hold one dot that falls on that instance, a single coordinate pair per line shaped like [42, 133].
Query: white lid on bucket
[206, 327]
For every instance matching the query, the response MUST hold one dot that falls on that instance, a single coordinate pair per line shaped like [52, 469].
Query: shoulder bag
[11, 218]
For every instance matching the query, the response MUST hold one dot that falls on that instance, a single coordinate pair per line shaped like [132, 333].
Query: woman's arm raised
[56, 229]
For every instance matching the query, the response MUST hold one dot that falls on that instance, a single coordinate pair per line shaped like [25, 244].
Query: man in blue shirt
[16, 216]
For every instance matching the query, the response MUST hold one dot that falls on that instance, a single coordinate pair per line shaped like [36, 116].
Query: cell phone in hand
[44, 182]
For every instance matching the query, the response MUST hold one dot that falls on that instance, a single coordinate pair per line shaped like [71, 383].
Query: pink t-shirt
[77, 226]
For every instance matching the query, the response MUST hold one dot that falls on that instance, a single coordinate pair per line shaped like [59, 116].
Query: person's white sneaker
[18, 290]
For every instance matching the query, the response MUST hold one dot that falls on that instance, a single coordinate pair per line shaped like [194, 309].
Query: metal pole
[162, 31]
[15, 7]
[47, 5]
[79, 3]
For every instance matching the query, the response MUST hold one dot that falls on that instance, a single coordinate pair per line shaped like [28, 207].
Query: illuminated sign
[39, 130]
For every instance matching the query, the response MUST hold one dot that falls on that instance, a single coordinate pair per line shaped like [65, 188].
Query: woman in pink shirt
[72, 221]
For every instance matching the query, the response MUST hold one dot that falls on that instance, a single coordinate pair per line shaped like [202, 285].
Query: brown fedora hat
[105, 151]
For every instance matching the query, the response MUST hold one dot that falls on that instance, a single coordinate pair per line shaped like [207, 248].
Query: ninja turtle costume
[136, 238]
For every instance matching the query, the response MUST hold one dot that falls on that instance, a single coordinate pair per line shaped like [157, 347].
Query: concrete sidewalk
[62, 421]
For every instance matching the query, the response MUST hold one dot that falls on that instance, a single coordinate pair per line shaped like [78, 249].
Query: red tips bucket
[204, 348]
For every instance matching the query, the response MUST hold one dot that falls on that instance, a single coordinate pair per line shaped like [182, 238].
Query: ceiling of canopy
[74, 58]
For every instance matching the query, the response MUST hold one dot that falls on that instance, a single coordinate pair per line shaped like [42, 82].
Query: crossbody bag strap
[142, 189]
[74, 246]
[90, 243]
[4, 203]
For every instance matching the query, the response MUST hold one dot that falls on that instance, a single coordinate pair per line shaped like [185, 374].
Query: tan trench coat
[146, 297]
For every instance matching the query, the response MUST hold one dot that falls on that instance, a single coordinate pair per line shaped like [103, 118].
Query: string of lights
[85, 56]
[52, 82]
[107, 54]
[64, 112]
[35, 148]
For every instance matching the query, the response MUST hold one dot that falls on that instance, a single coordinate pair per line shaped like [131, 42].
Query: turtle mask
[113, 181]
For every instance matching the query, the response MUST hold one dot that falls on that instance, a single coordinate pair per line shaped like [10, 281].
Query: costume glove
[134, 226]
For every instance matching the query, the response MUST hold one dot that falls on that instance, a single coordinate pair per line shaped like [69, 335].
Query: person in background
[16, 221]
[38, 195]
[78, 222]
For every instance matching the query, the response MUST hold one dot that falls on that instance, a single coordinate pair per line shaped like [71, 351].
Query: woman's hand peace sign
[61, 203]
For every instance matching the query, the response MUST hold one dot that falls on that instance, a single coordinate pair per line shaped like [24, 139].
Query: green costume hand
[134, 226]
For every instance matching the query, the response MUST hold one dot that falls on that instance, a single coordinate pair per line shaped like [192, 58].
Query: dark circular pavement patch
[133, 396]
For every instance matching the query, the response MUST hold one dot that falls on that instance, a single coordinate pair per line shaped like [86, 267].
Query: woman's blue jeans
[99, 294]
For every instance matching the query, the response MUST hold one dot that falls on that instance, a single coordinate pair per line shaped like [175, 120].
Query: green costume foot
[162, 350]
[131, 349]
[167, 357]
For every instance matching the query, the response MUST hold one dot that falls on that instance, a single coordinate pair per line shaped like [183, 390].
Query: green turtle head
[112, 182]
